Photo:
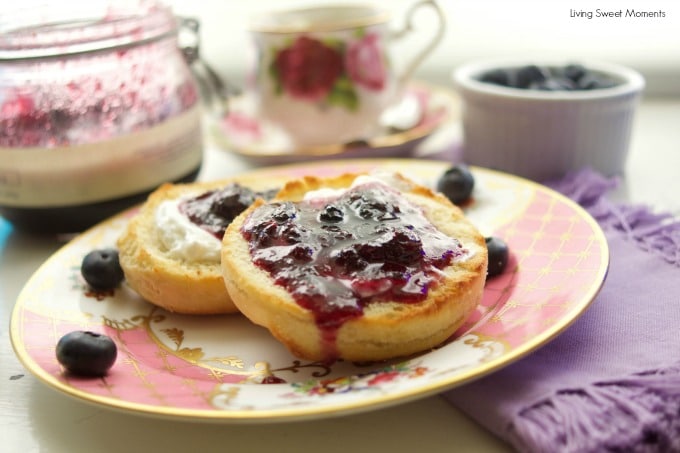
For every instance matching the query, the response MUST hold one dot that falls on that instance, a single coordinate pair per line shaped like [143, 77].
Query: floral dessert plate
[224, 368]
[422, 110]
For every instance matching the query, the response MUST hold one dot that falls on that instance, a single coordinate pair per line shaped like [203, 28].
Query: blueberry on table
[498, 255]
[101, 269]
[456, 184]
[85, 353]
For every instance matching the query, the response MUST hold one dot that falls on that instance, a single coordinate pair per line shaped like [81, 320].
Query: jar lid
[48, 29]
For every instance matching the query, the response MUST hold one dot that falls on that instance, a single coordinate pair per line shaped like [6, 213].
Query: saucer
[423, 109]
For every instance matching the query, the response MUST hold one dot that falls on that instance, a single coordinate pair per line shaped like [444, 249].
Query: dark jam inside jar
[214, 210]
[98, 107]
[337, 255]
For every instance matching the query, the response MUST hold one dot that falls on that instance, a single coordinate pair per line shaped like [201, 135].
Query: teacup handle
[410, 68]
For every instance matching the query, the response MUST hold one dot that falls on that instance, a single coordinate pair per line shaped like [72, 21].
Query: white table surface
[35, 418]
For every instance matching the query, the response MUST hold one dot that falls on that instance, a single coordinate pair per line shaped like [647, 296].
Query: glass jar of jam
[98, 107]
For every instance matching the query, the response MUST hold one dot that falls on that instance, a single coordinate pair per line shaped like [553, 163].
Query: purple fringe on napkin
[611, 382]
[638, 413]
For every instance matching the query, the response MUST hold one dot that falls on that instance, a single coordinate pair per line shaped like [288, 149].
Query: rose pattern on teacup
[329, 70]
[366, 63]
[323, 75]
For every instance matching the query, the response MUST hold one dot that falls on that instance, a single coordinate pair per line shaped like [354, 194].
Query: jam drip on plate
[336, 255]
[216, 209]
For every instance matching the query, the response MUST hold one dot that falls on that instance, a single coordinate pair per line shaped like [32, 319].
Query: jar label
[122, 166]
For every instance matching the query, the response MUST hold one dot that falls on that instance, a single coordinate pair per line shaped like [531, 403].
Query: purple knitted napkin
[611, 381]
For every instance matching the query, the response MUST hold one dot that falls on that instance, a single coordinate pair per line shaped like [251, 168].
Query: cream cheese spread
[182, 238]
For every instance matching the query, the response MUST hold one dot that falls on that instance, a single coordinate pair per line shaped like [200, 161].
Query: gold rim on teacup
[345, 16]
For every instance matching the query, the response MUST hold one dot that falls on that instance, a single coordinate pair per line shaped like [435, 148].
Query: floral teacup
[324, 74]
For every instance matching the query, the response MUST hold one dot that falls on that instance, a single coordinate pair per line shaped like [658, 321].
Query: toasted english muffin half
[167, 262]
[378, 327]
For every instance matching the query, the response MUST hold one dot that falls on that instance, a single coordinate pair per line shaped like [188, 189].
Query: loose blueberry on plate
[85, 353]
[101, 269]
[456, 184]
[498, 255]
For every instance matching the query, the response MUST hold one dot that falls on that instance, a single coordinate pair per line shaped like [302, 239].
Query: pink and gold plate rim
[343, 407]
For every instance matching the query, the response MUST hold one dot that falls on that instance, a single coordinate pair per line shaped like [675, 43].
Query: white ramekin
[545, 134]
